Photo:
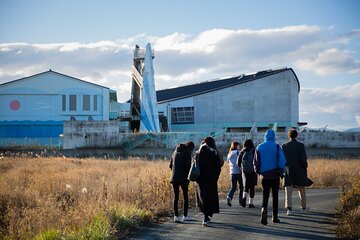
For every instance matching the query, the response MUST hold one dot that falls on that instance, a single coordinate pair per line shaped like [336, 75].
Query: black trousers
[250, 189]
[274, 185]
[185, 190]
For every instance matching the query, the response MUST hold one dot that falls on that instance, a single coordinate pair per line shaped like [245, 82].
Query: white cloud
[330, 62]
[357, 117]
[182, 59]
[338, 107]
[355, 91]
[212, 53]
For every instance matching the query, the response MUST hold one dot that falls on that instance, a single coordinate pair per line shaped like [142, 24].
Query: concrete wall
[107, 135]
[102, 134]
[310, 139]
[268, 99]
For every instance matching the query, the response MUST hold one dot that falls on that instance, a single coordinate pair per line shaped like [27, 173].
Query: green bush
[51, 234]
[125, 220]
[98, 229]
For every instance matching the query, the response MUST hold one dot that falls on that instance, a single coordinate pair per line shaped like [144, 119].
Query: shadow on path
[237, 222]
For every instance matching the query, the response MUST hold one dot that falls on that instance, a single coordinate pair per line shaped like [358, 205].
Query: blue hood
[269, 135]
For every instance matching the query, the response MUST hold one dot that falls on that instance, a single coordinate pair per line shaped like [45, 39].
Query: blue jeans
[236, 178]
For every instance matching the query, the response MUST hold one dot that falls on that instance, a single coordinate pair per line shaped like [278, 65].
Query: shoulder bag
[194, 172]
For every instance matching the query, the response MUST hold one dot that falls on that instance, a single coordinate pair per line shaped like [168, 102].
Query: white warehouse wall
[268, 99]
[40, 98]
[273, 98]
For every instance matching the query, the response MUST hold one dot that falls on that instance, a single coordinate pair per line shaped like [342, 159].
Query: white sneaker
[289, 212]
[205, 224]
[177, 219]
[187, 218]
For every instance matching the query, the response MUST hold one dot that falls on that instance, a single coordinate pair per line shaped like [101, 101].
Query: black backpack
[247, 161]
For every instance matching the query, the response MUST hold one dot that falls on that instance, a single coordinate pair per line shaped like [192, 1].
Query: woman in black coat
[180, 163]
[210, 165]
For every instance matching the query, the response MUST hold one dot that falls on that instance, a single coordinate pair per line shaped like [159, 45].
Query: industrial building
[249, 102]
[238, 104]
[36, 106]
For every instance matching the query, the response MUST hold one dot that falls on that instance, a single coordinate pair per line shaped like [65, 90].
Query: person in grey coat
[180, 163]
[295, 170]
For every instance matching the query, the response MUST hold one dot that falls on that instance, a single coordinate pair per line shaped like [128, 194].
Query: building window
[182, 115]
[72, 102]
[86, 102]
[64, 103]
[95, 103]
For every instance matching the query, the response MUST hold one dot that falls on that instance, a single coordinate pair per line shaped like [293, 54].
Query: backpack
[247, 161]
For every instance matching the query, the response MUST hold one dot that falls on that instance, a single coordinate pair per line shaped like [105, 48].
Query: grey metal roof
[204, 87]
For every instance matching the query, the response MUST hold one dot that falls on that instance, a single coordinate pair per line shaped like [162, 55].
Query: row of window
[182, 115]
[72, 100]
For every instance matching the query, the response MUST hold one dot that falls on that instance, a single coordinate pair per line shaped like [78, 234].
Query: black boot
[275, 218]
[243, 202]
[263, 218]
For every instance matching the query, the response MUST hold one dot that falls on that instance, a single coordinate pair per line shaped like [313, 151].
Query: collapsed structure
[143, 103]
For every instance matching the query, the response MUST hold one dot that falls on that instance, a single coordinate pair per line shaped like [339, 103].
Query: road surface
[237, 222]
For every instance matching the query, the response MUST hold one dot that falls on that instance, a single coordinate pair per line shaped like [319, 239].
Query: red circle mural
[15, 105]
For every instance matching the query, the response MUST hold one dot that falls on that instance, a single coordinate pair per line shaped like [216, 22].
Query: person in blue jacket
[269, 162]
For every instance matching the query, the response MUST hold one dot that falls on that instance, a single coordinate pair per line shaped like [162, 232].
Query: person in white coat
[235, 172]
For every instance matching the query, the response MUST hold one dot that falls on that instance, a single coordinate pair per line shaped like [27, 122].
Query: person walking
[235, 172]
[296, 170]
[270, 164]
[246, 162]
[210, 164]
[180, 163]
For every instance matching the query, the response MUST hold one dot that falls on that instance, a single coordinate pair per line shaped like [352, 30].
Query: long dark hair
[248, 144]
[190, 146]
[210, 142]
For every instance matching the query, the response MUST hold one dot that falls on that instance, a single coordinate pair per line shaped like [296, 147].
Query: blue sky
[193, 41]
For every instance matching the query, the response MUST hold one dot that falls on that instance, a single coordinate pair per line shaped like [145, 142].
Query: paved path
[237, 222]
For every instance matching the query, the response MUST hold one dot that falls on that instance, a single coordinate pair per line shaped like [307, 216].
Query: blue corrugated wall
[31, 129]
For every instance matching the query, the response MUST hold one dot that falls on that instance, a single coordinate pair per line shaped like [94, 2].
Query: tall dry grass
[66, 194]
[53, 198]
[349, 212]
[324, 173]
[333, 173]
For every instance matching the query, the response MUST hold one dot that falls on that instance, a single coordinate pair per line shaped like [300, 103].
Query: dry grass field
[65, 198]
